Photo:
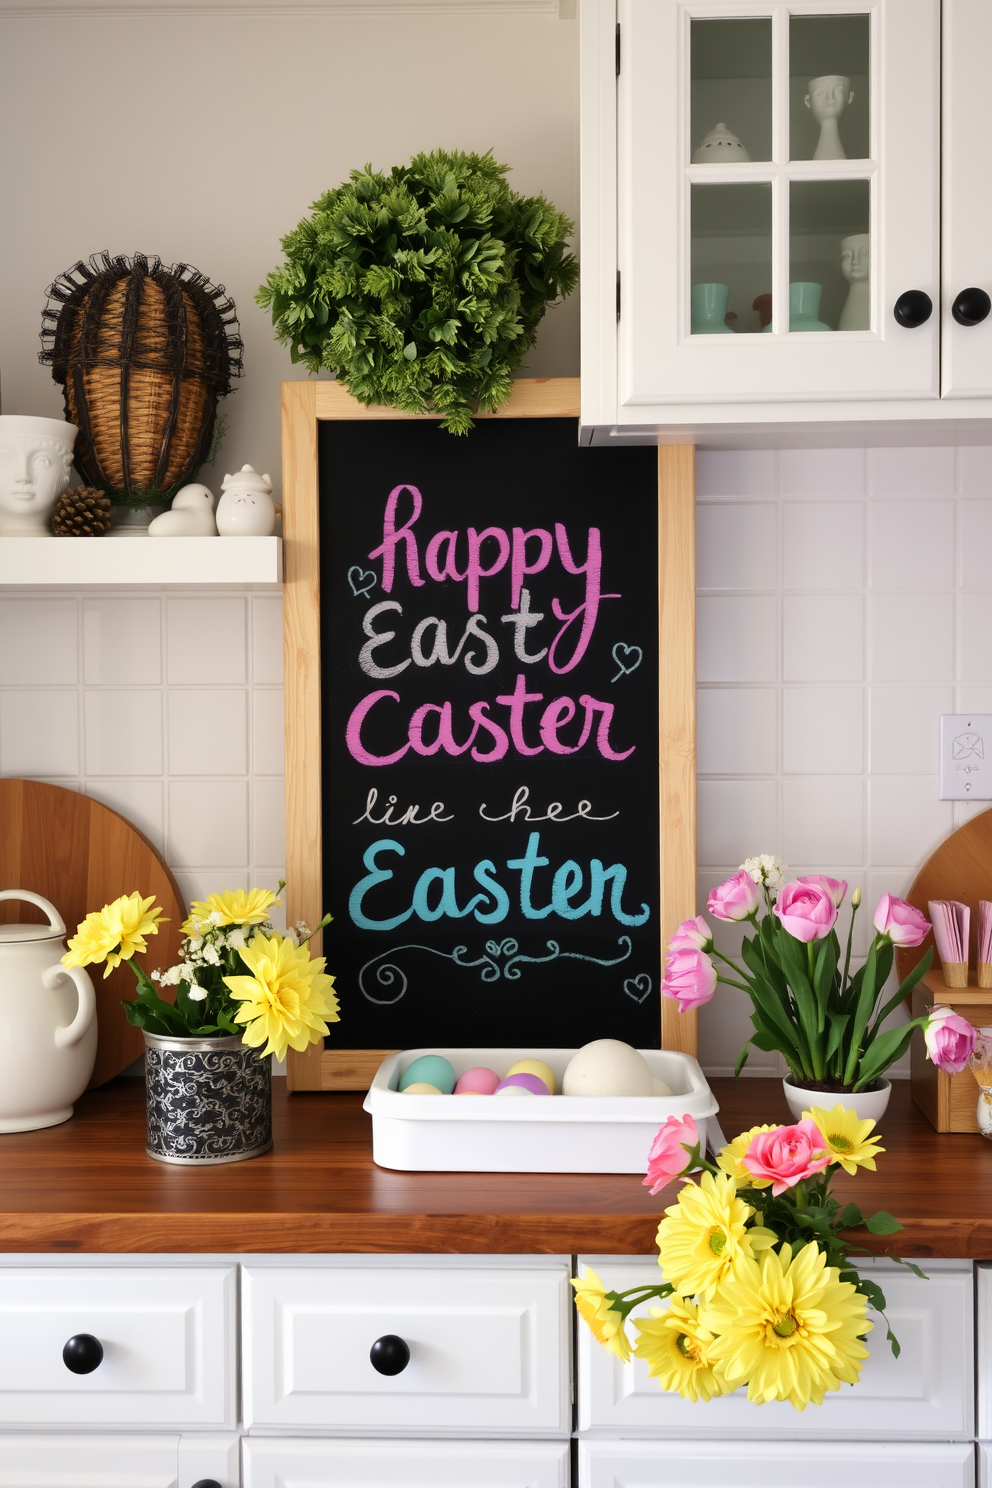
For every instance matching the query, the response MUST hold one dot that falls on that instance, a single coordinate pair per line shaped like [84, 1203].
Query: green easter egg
[429, 1069]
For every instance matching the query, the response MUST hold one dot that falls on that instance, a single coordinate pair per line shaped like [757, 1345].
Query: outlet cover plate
[966, 757]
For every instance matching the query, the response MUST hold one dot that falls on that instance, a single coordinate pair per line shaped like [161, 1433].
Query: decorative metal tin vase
[208, 1100]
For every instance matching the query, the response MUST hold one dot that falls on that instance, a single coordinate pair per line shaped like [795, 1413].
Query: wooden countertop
[88, 1186]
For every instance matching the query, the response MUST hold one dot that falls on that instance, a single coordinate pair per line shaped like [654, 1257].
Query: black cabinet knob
[207, 1483]
[971, 307]
[390, 1354]
[912, 309]
[83, 1353]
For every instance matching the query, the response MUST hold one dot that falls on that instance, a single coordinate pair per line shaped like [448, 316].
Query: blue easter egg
[429, 1069]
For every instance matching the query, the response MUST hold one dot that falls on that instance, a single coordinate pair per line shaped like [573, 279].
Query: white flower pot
[868, 1105]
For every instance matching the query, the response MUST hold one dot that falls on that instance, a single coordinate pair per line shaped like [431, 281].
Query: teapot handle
[68, 1037]
[57, 922]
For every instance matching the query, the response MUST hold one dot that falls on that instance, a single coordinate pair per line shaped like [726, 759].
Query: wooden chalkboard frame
[304, 406]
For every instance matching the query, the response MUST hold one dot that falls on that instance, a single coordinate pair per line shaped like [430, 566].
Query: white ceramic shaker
[246, 508]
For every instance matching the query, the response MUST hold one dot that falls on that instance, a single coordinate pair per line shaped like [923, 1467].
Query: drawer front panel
[168, 1337]
[405, 1464]
[926, 1393]
[750, 1464]
[487, 1349]
[90, 1462]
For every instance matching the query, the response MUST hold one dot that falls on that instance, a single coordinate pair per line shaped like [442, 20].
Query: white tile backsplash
[39, 733]
[207, 731]
[208, 823]
[911, 545]
[122, 731]
[823, 731]
[823, 638]
[39, 642]
[911, 471]
[975, 541]
[122, 641]
[832, 473]
[823, 544]
[912, 637]
[734, 542]
[736, 639]
[736, 731]
[206, 640]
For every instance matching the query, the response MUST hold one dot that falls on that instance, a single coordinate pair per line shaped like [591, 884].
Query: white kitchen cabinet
[99, 1461]
[775, 235]
[706, 1464]
[927, 1392]
[289, 1463]
[488, 1348]
[167, 1336]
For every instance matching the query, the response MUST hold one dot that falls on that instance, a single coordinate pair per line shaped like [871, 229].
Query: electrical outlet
[966, 757]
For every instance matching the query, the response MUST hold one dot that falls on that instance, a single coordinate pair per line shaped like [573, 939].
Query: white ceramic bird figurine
[191, 515]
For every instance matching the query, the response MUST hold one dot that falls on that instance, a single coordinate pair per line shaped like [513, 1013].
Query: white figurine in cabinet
[246, 508]
[855, 265]
[35, 463]
[827, 98]
[191, 514]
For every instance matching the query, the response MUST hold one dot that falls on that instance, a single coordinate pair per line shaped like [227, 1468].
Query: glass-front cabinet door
[778, 194]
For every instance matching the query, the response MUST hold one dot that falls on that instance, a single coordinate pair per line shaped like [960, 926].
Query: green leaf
[849, 1217]
[883, 1223]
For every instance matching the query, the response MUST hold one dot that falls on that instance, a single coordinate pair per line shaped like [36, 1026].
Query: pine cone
[82, 512]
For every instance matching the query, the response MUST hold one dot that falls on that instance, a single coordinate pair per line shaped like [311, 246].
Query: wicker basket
[143, 353]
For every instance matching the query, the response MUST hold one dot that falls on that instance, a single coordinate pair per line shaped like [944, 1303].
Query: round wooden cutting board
[960, 868]
[80, 855]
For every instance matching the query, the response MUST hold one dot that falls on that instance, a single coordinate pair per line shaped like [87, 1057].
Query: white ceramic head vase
[827, 98]
[35, 461]
[855, 265]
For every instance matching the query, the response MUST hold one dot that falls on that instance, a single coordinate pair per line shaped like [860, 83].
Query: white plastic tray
[561, 1134]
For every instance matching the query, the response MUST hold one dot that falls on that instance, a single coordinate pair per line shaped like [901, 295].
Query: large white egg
[607, 1067]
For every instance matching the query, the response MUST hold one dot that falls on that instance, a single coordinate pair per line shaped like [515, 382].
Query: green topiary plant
[423, 288]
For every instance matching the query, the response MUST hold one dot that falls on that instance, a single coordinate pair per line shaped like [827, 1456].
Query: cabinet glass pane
[731, 260]
[731, 91]
[829, 87]
[830, 256]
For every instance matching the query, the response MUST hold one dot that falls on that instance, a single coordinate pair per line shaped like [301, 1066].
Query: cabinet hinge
[618, 48]
[618, 294]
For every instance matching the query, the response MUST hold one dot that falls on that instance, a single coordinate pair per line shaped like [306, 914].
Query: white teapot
[47, 1023]
[246, 508]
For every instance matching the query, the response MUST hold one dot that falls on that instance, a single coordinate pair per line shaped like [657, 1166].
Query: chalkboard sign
[490, 767]
[489, 676]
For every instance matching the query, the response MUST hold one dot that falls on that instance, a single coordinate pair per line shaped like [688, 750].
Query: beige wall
[206, 138]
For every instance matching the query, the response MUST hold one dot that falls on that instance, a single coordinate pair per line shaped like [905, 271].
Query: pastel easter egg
[533, 1084]
[477, 1081]
[504, 1089]
[535, 1067]
[607, 1067]
[432, 1068]
[420, 1087]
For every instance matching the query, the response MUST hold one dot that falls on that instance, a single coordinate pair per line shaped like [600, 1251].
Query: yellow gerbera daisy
[703, 1234]
[605, 1324]
[232, 907]
[846, 1138]
[730, 1159]
[676, 1349]
[787, 1326]
[287, 998]
[114, 933]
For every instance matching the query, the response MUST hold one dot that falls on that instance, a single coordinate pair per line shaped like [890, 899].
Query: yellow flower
[788, 1327]
[703, 1234]
[286, 999]
[233, 907]
[846, 1138]
[605, 1324]
[676, 1349]
[113, 933]
[730, 1159]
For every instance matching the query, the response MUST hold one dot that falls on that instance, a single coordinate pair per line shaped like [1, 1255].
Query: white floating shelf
[80, 561]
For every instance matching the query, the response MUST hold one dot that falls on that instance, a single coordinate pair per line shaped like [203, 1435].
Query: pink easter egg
[526, 1082]
[477, 1081]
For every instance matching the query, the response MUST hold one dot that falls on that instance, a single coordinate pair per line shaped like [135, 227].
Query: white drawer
[488, 1348]
[926, 1393]
[168, 1337]
[405, 1464]
[984, 1352]
[750, 1464]
[95, 1461]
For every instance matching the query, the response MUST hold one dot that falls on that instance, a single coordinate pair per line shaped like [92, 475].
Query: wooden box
[947, 1101]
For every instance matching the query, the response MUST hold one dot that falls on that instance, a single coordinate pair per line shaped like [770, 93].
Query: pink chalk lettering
[475, 570]
[448, 569]
[516, 701]
[391, 535]
[353, 731]
[445, 739]
[519, 567]
[589, 609]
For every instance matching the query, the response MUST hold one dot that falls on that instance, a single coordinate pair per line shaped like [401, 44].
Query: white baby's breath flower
[197, 994]
[194, 942]
[171, 978]
[236, 939]
[766, 870]
[186, 972]
[211, 955]
[214, 918]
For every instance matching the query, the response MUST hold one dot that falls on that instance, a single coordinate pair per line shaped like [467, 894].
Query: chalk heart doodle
[627, 658]
[638, 987]
[361, 580]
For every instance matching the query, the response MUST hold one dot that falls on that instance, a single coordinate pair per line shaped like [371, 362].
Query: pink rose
[835, 887]
[692, 935]
[950, 1040]
[668, 1156]
[805, 910]
[787, 1155]
[735, 899]
[900, 922]
[690, 977]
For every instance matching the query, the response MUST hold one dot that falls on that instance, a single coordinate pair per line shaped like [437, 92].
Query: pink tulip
[690, 977]
[949, 1039]
[787, 1155]
[692, 935]
[668, 1156]
[735, 899]
[805, 910]
[900, 922]
[835, 887]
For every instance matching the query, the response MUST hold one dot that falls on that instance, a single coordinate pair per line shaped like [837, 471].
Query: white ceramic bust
[827, 98]
[855, 265]
[35, 461]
